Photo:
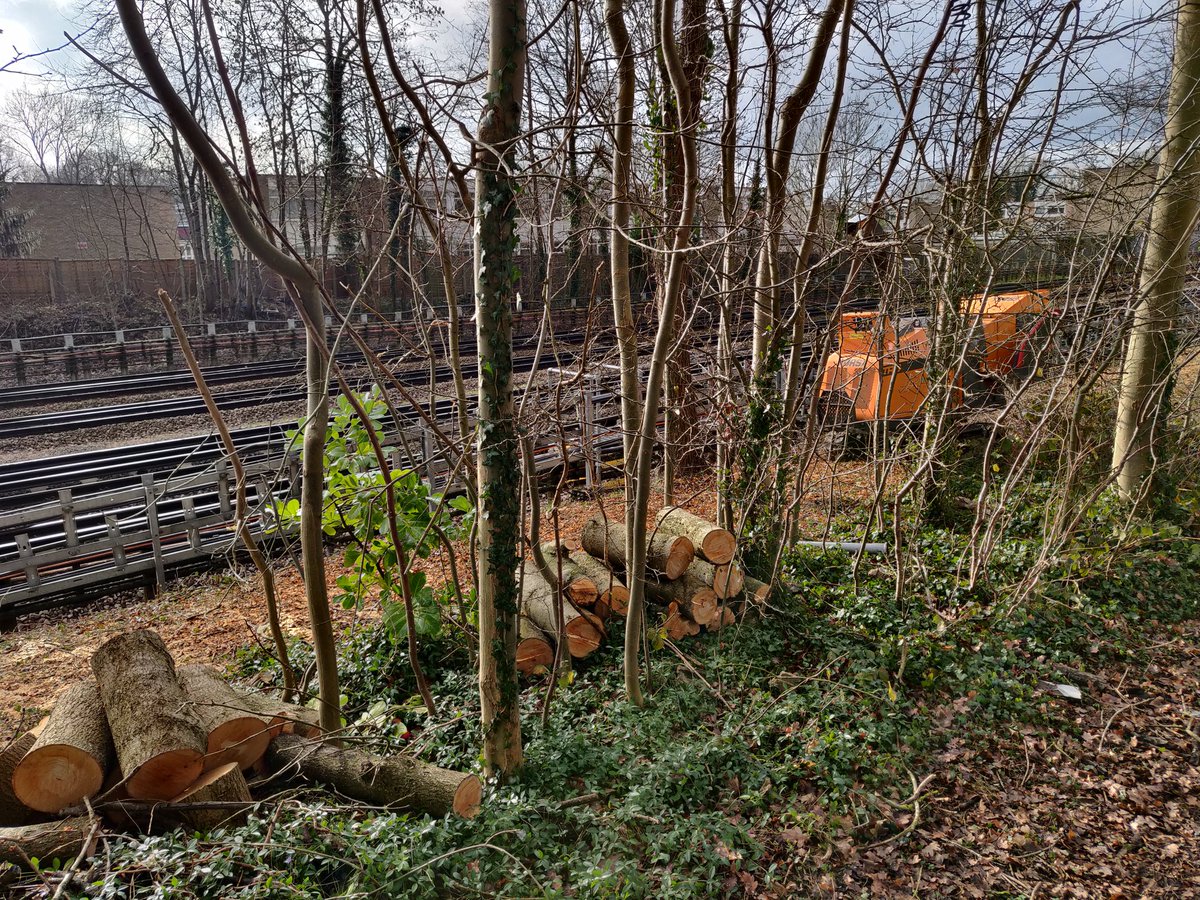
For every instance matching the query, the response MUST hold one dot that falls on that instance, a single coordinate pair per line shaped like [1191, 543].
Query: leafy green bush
[356, 509]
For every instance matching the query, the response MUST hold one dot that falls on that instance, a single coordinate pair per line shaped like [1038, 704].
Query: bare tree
[1146, 381]
[308, 296]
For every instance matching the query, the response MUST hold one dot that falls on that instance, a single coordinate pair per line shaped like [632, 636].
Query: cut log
[534, 649]
[677, 625]
[12, 811]
[70, 757]
[579, 586]
[694, 597]
[666, 555]
[757, 591]
[382, 781]
[716, 545]
[725, 580]
[160, 744]
[223, 784]
[237, 732]
[585, 631]
[285, 718]
[727, 615]
[60, 840]
[614, 596]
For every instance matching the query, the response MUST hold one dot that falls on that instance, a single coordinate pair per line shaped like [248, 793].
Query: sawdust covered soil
[202, 618]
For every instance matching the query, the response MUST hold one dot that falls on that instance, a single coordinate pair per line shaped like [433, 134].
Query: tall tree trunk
[499, 470]
[779, 163]
[647, 428]
[1147, 381]
[621, 295]
[308, 298]
[730, 258]
[680, 414]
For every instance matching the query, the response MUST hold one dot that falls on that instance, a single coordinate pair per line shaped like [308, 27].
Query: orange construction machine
[878, 368]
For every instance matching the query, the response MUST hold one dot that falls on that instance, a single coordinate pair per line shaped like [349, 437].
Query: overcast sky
[31, 26]
[35, 26]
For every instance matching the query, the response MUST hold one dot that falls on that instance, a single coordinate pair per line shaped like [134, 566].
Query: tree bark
[1147, 380]
[70, 757]
[222, 784]
[159, 743]
[499, 472]
[237, 732]
[585, 632]
[756, 591]
[716, 545]
[400, 780]
[731, 31]
[622, 298]
[12, 811]
[60, 840]
[668, 555]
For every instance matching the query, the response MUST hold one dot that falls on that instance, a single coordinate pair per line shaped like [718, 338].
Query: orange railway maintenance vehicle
[878, 370]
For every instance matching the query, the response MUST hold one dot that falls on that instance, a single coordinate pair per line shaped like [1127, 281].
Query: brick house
[98, 221]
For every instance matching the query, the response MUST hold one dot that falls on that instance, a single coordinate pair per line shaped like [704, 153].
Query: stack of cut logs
[692, 578]
[144, 744]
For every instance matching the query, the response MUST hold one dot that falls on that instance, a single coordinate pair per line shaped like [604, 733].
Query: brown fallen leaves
[1104, 803]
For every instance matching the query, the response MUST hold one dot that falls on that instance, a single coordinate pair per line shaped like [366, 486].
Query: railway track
[91, 522]
[173, 407]
[230, 373]
[80, 546]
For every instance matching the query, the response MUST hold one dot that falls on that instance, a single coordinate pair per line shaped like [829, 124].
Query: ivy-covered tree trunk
[498, 467]
[1146, 381]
